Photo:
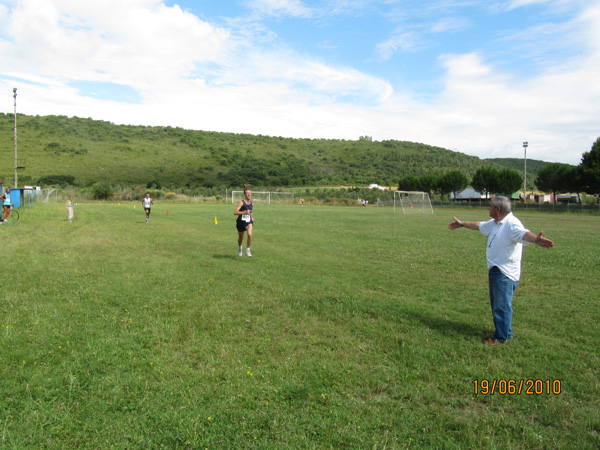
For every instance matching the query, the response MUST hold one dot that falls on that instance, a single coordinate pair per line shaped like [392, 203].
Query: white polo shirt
[505, 244]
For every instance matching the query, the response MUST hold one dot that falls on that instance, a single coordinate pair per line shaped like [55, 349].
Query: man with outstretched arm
[506, 237]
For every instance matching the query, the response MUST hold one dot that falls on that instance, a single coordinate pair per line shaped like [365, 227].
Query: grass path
[349, 328]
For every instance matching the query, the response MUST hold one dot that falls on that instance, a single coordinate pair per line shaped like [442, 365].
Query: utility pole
[525, 145]
[15, 96]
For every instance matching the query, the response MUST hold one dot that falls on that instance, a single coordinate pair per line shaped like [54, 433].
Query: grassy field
[350, 328]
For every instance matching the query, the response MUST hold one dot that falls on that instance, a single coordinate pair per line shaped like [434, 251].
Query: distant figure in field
[69, 207]
[245, 221]
[148, 202]
[506, 237]
[5, 204]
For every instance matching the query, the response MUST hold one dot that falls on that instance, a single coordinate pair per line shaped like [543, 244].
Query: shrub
[102, 190]
[57, 180]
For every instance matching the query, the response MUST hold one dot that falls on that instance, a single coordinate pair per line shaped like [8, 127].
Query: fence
[520, 206]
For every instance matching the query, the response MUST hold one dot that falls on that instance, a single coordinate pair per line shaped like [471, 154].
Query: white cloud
[400, 41]
[450, 24]
[293, 8]
[513, 4]
[196, 75]
[484, 108]
[415, 38]
[124, 42]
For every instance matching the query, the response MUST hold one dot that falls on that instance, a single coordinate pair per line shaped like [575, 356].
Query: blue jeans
[501, 295]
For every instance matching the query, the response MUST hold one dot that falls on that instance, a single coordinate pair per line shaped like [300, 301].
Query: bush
[57, 180]
[154, 193]
[102, 190]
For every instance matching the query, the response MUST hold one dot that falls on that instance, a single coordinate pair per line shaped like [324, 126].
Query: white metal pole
[525, 144]
[15, 96]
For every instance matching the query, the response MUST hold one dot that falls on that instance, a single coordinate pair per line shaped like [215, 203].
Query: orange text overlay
[517, 387]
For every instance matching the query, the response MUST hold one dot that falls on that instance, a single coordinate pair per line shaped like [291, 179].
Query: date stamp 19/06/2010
[517, 387]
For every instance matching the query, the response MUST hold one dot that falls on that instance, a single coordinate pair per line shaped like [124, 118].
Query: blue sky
[479, 77]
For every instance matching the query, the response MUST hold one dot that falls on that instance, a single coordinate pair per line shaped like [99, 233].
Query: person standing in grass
[244, 222]
[506, 237]
[148, 202]
[5, 204]
[69, 207]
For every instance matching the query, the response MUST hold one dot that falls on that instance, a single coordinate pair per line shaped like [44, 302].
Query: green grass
[350, 328]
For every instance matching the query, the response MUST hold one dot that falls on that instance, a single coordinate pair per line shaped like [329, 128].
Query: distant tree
[575, 181]
[154, 184]
[454, 181]
[554, 178]
[366, 138]
[429, 184]
[485, 181]
[409, 183]
[509, 181]
[101, 190]
[590, 169]
[56, 180]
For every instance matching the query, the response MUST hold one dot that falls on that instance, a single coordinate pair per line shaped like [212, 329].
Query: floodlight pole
[15, 96]
[525, 145]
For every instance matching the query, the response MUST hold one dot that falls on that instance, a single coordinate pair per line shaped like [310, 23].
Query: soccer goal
[257, 196]
[46, 194]
[412, 202]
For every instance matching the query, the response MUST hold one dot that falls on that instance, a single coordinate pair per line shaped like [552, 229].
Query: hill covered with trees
[533, 165]
[82, 152]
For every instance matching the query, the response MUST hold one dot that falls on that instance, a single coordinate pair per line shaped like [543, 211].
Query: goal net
[257, 196]
[46, 195]
[412, 202]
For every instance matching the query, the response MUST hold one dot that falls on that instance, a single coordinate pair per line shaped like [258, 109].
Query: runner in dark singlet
[245, 221]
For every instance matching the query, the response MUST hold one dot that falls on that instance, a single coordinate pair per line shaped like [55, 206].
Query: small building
[542, 198]
[467, 194]
[376, 186]
[567, 198]
[21, 196]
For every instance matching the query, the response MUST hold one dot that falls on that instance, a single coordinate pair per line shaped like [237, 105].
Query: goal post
[274, 197]
[257, 196]
[44, 195]
[412, 202]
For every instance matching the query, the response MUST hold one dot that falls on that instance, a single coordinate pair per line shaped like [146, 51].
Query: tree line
[562, 178]
[486, 180]
[555, 177]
